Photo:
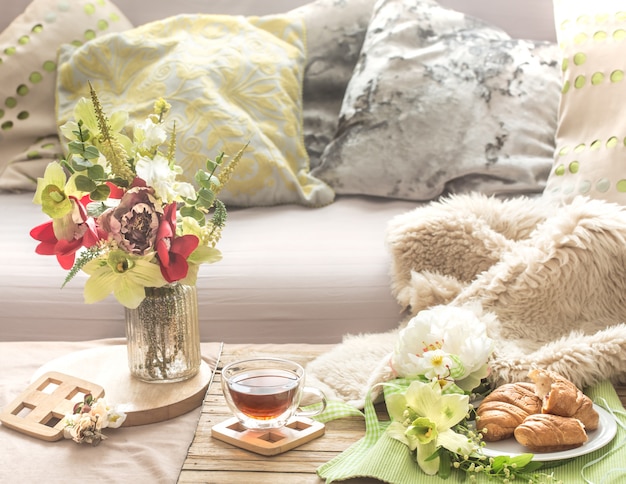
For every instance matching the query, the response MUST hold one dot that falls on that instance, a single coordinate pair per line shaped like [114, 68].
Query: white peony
[445, 344]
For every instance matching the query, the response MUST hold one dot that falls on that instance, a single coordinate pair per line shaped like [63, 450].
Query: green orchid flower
[84, 111]
[423, 417]
[50, 193]
[124, 275]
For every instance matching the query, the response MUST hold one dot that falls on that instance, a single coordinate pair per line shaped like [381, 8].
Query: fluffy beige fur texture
[554, 277]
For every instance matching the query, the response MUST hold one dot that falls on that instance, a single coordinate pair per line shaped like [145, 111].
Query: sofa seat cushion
[289, 274]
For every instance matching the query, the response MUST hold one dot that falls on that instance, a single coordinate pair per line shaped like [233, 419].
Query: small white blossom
[90, 417]
[149, 134]
[157, 173]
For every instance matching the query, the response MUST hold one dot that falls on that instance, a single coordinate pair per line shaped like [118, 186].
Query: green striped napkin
[381, 457]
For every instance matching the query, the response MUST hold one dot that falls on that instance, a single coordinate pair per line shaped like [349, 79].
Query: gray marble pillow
[440, 102]
[335, 33]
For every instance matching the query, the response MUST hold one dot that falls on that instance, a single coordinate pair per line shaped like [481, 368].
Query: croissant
[505, 408]
[561, 397]
[545, 432]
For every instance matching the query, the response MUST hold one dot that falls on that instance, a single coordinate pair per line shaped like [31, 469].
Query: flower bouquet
[119, 213]
[89, 417]
[438, 367]
[116, 202]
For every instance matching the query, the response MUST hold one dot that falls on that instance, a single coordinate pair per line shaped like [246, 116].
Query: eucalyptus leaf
[95, 209]
[206, 197]
[193, 212]
[76, 147]
[91, 152]
[120, 182]
[211, 166]
[81, 164]
[202, 176]
[96, 172]
[85, 184]
[101, 192]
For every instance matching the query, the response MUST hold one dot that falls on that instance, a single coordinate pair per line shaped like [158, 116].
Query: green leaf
[211, 166]
[76, 147]
[499, 462]
[120, 182]
[193, 212]
[91, 152]
[202, 177]
[206, 197]
[95, 209]
[81, 164]
[533, 466]
[85, 184]
[101, 192]
[96, 172]
[521, 460]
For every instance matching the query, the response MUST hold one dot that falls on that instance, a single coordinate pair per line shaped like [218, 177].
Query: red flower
[83, 233]
[173, 251]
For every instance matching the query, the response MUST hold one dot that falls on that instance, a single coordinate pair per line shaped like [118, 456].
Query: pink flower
[172, 250]
[133, 224]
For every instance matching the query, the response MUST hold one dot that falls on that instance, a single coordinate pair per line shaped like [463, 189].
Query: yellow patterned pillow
[28, 67]
[229, 79]
[590, 155]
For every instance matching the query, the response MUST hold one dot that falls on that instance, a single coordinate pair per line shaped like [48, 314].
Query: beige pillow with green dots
[28, 53]
[590, 155]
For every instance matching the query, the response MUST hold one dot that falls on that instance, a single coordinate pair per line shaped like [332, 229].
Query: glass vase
[163, 338]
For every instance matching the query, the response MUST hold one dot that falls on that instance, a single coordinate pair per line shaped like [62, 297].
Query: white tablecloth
[144, 454]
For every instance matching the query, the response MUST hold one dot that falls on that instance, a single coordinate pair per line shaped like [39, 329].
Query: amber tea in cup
[264, 393]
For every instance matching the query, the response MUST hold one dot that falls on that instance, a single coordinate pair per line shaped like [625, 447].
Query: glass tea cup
[264, 393]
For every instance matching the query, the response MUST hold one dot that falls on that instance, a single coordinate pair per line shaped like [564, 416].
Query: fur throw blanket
[554, 277]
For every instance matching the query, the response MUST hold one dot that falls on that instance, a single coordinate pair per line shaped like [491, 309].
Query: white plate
[607, 428]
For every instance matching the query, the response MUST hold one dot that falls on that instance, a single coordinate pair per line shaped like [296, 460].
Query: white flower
[149, 134]
[115, 417]
[431, 418]
[108, 416]
[157, 173]
[445, 343]
[434, 364]
[92, 416]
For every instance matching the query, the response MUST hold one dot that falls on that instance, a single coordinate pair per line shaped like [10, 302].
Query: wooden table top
[210, 460]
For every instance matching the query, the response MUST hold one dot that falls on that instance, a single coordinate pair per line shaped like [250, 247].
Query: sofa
[395, 105]
[306, 265]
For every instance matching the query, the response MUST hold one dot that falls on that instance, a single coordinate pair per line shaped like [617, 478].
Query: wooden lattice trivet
[40, 409]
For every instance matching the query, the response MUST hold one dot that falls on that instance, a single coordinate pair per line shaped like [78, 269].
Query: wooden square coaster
[298, 431]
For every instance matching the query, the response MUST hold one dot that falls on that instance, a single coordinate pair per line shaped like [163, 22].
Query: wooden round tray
[144, 403]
